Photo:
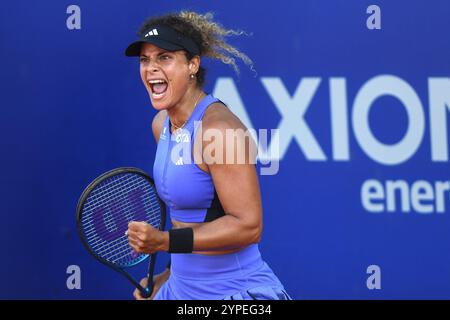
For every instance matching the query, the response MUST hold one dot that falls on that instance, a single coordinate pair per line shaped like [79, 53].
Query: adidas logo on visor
[154, 32]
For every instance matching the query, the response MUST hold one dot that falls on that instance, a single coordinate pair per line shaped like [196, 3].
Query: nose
[152, 70]
[151, 66]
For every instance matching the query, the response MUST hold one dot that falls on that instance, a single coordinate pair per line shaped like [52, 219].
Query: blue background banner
[359, 207]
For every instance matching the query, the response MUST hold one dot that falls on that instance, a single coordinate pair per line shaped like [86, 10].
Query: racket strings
[118, 247]
[119, 191]
[153, 219]
[108, 210]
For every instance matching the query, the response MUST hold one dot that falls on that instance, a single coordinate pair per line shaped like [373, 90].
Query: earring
[192, 76]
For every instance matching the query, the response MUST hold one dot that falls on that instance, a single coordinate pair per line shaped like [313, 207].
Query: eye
[164, 57]
[143, 59]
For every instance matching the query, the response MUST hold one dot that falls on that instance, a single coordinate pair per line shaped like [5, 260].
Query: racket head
[106, 207]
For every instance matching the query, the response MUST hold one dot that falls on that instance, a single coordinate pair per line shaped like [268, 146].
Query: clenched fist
[144, 238]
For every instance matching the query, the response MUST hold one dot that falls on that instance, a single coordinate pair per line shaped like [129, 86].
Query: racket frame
[145, 292]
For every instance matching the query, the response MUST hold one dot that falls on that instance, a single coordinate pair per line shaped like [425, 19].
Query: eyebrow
[160, 53]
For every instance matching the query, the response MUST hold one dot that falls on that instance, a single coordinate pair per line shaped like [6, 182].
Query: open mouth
[158, 88]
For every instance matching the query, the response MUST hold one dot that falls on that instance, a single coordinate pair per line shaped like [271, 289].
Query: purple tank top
[187, 190]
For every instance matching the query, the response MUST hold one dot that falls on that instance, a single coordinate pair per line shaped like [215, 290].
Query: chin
[161, 103]
[158, 105]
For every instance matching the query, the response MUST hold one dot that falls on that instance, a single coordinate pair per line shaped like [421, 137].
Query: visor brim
[134, 49]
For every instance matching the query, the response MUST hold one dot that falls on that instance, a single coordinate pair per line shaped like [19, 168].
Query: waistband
[224, 266]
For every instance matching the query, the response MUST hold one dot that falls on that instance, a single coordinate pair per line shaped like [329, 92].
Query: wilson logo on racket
[111, 221]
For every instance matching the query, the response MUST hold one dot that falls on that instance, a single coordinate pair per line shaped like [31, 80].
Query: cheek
[178, 78]
[142, 73]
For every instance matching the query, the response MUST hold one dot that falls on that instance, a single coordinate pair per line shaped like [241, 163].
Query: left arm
[238, 190]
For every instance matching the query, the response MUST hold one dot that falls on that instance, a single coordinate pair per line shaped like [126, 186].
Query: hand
[158, 281]
[143, 238]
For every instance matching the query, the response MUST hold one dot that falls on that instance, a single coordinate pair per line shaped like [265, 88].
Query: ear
[194, 64]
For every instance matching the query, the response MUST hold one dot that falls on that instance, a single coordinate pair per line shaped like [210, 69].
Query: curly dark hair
[206, 33]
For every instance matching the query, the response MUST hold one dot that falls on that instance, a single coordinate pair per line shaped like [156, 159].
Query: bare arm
[158, 124]
[236, 184]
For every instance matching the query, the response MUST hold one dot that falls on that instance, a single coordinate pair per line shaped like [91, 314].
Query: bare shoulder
[225, 125]
[219, 116]
[158, 123]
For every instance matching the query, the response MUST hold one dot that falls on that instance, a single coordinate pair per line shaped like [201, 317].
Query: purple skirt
[236, 276]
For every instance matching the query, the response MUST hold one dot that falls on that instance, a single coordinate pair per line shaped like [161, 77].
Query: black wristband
[181, 240]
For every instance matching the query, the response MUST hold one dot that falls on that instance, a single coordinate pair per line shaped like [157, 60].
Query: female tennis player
[213, 199]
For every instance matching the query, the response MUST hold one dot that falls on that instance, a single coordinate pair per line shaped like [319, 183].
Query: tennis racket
[104, 210]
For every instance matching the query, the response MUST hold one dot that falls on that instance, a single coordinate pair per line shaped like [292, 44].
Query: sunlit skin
[175, 69]
[236, 184]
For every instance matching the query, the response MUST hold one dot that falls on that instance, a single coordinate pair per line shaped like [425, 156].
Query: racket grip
[146, 292]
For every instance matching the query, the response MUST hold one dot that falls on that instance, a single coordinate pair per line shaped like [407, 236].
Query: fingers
[136, 230]
[137, 236]
[139, 230]
[139, 244]
[138, 226]
[137, 293]
[144, 282]
[142, 237]
[135, 243]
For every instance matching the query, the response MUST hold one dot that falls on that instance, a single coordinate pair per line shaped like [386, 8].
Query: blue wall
[72, 107]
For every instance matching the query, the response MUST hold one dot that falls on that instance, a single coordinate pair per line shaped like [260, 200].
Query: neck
[181, 112]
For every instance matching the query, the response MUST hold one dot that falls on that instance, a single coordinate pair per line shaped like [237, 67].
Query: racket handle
[147, 292]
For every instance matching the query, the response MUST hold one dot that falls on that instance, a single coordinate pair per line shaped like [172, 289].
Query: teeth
[157, 95]
[156, 81]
